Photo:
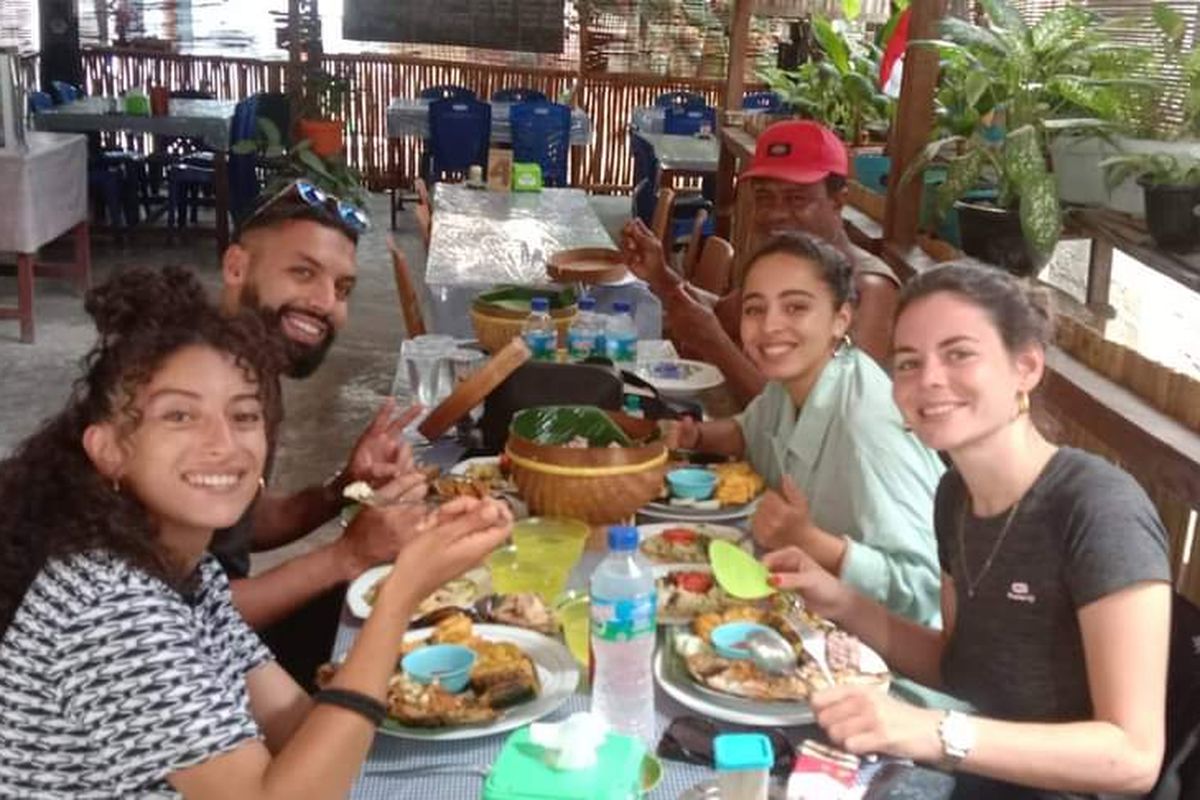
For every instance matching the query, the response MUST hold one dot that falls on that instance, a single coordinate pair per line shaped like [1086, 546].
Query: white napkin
[572, 743]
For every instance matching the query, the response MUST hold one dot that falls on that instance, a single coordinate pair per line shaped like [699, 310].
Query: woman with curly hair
[124, 669]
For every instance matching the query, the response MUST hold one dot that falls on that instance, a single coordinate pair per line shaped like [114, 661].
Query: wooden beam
[914, 121]
[739, 41]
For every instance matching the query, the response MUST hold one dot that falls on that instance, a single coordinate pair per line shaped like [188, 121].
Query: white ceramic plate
[557, 671]
[666, 511]
[728, 532]
[660, 572]
[356, 595]
[679, 376]
[463, 468]
[672, 675]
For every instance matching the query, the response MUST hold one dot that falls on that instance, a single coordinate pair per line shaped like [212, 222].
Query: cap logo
[779, 149]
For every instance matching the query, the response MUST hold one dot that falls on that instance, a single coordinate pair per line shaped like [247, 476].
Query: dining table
[482, 238]
[206, 120]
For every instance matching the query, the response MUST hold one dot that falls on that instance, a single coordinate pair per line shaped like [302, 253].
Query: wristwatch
[957, 732]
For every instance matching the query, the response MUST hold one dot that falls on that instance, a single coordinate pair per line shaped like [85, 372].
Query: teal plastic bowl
[727, 638]
[695, 484]
[449, 664]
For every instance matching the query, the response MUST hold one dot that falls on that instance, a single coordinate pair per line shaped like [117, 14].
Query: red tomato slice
[695, 582]
[679, 535]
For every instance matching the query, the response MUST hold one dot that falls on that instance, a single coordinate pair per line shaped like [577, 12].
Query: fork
[811, 639]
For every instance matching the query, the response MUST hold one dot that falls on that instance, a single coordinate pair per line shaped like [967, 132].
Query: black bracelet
[357, 702]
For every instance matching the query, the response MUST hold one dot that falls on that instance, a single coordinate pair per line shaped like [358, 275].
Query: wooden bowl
[586, 265]
[496, 327]
[600, 485]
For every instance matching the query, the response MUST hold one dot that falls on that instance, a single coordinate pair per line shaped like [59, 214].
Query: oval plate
[356, 595]
[557, 671]
[666, 511]
[739, 537]
[680, 376]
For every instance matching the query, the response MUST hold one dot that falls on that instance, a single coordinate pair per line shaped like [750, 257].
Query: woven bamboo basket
[600, 485]
[495, 328]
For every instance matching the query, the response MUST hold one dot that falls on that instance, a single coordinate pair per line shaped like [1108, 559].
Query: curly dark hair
[832, 265]
[53, 501]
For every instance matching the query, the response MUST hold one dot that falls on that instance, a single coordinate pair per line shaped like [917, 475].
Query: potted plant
[324, 102]
[330, 173]
[1172, 194]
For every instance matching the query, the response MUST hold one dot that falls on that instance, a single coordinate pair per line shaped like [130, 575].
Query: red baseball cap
[798, 151]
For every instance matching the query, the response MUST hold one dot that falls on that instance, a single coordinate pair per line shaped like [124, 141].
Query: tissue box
[526, 177]
[521, 772]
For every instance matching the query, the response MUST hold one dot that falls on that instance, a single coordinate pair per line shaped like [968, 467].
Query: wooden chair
[410, 305]
[660, 223]
[424, 212]
[692, 253]
[422, 192]
[714, 270]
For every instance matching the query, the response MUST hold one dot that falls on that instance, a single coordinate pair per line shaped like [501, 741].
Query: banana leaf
[557, 425]
[516, 298]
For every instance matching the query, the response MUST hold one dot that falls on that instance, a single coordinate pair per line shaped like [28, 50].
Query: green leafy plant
[1171, 29]
[330, 174]
[1007, 87]
[1159, 169]
[324, 95]
[840, 88]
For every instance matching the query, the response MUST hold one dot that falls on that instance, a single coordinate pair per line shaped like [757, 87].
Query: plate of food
[679, 543]
[685, 591]
[518, 676]
[490, 471]
[462, 592]
[692, 671]
[735, 496]
[679, 376]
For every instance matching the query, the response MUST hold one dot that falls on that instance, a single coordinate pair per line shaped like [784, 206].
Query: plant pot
[871, 169]
[994, 235]
[1128, 196]
[1077, 169]
[326, 135]
[1170, 215]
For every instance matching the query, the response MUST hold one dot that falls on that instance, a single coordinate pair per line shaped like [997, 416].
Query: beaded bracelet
[357, 702]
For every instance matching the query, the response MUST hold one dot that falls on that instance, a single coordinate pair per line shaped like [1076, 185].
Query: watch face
[958, 734]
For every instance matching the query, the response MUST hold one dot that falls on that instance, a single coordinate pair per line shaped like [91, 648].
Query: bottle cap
[587, 303]
[622, 307]
[742, 751]
[541, 304]
[633, 402]
[622, 538]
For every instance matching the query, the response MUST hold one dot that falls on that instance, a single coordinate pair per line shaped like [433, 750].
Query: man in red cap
[798, 178]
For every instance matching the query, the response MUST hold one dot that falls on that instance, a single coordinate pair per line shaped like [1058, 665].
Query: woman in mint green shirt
[848, 483]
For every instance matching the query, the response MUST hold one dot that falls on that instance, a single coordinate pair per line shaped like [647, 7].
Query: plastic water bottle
[581, 336]
[623, 606]
[620, 334]
[538, 330]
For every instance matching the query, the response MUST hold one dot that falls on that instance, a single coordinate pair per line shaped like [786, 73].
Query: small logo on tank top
[1019, 592]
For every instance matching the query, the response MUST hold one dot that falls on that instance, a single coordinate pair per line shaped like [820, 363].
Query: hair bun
[142, 298]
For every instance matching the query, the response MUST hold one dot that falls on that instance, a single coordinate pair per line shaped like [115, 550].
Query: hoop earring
[1022, 403]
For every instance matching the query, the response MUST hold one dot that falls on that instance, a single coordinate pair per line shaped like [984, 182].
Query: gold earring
[262, 483]
[1022, 403]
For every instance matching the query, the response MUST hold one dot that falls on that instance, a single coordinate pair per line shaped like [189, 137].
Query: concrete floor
[324, 413]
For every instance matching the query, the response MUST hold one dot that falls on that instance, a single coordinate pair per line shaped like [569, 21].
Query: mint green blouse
[865, 477]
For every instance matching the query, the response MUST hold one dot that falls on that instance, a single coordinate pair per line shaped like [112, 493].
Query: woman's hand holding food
[865, 719]
[794, 570]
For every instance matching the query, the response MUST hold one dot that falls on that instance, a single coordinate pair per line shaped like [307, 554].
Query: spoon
[770, 651]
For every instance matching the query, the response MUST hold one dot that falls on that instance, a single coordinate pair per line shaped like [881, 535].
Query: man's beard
[303, 359]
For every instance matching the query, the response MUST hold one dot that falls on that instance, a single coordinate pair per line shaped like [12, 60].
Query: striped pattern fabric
[110, 680]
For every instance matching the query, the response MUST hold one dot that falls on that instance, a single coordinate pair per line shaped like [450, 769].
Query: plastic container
[632, 406]
[620, 334]
[743, 762]
[692, 483]
[585, 334]
[538, 330]
[521, 772]
[448, 664]
[624, 603]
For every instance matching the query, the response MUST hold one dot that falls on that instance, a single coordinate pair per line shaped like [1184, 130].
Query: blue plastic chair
[460, 132]
[680, 98]
[185, 181]
[687, 121]
[541, 133]
[40, 101]
[645, 193]
[766, 101]
[447, 91]
[65, 92]
[518, 95]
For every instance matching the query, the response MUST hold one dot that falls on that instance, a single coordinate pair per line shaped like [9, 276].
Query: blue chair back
[65, 92]
[680, 98]
[447, 91]
[688, 121]
[459, 134]
[40, 101]
[767, 101]
[645, 164]
[517, 95]
[243, 167]
[541, 133]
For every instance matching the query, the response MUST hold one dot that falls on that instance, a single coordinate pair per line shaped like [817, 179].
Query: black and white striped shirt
[110, 680]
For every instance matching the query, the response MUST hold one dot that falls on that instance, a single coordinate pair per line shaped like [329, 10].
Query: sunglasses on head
[345, 212]
[690, 739]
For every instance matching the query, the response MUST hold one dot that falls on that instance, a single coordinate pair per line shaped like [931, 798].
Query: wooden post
[295, 65]
[739, 35]
[914, 121]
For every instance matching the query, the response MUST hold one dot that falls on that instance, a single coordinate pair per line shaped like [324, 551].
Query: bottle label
[580, 344]
[622, 349]
[623, 620]
[541, 344]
